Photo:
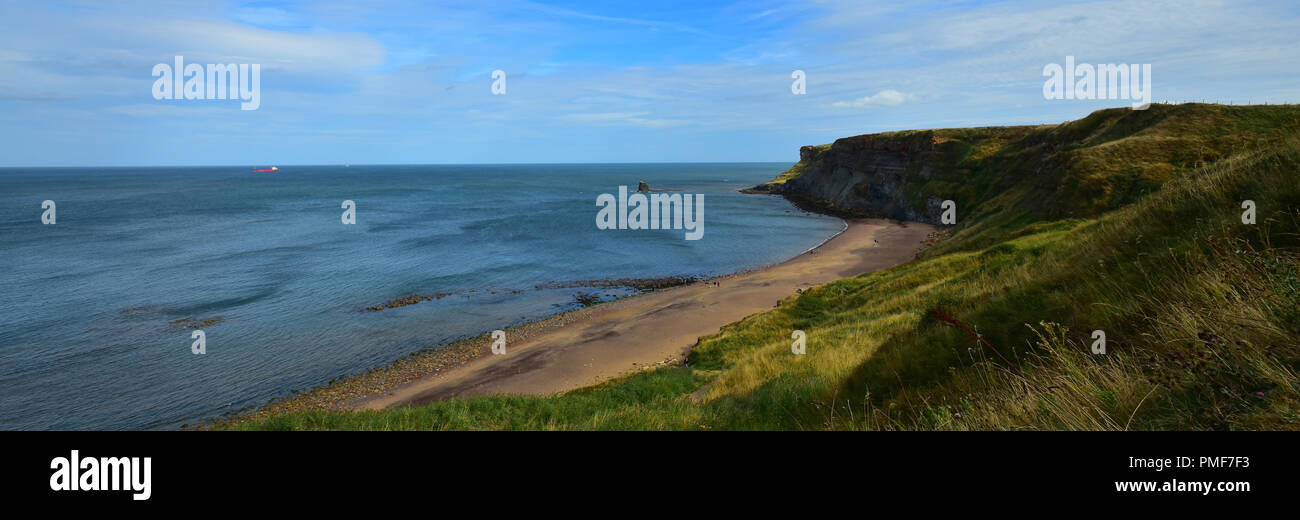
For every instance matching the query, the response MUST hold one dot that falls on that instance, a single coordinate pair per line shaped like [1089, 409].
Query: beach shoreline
[659, 328]
[344, 392]
[586, 346]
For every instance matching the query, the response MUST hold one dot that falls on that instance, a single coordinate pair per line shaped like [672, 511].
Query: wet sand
[628, 335]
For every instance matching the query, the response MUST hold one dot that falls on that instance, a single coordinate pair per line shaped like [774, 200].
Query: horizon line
[341, 165]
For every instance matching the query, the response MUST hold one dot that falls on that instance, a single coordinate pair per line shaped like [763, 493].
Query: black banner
[322, 469]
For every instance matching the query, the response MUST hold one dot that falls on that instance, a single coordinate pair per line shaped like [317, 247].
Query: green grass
[648, 400]
[798, 169]
[1201, 312]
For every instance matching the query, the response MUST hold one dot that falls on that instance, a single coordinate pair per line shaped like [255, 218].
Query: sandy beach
[660, 327]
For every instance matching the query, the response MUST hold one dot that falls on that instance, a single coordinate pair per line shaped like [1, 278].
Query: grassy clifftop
[1072, 229]
[1006, 177]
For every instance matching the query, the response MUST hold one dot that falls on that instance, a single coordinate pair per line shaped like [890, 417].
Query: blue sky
[601, 81]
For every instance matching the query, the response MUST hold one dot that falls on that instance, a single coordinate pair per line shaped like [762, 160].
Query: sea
[100, 307]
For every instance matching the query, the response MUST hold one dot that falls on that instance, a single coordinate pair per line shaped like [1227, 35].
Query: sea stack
[642, 187]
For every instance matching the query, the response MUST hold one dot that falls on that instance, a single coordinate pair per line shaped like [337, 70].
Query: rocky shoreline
[343, 392]
[406, 300]
[639, 284]
[189, 322]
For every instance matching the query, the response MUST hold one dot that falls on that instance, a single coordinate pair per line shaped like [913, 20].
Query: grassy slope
[1138, 234]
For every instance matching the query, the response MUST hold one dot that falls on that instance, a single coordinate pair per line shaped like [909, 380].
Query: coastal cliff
[1023, 174]
[865, 175]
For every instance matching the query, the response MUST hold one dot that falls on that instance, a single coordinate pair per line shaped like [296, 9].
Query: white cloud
[178, 111]
[306, 52]
[658, 123]
[606, 116]
[888, 97]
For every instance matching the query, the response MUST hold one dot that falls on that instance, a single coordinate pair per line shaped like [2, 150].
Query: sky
[407, 82]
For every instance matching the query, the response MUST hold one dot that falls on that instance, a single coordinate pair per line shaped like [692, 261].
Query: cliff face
[1077, 169]
[865, 175]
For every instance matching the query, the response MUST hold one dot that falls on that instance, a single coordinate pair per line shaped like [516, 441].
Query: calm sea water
[86, 339]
